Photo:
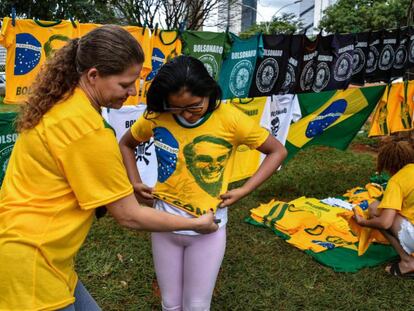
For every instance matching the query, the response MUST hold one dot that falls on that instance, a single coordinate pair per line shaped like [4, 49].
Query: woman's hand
[143, 193]
[232, 196]
[205, 223]
[358, 218]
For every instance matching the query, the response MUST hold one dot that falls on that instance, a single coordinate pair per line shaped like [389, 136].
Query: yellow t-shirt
[165, 45]
[143, 36]
[28, 45]
[58, 173]
[247, 161]
[399, 194]
[195, 163]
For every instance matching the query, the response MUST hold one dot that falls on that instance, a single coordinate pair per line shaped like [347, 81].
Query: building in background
[311, 13]
[239, 15]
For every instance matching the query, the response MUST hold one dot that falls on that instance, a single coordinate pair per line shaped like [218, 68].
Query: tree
[286, 24]
[348, 16]
[83, 10]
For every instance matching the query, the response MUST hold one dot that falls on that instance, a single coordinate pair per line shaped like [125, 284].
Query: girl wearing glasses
[195, 140]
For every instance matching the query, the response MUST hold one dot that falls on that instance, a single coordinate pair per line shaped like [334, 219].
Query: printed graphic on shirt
[157, 60]
[206, 157]
[267, 75]
[386, 58]
[322, 78]
[166, 148]
[290, 79]
[54, 43]
[28, 51]
[400, 56]
[210, 63]
[143, 152]
[358, 61]
[307, 76]
[372, 61]
[343, 67]
[240, 77]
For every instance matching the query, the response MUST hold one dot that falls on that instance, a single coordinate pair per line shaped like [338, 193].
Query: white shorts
[406, 236]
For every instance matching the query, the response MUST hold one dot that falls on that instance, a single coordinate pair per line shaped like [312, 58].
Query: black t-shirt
[334, 62]
[308, 66]
[401, 54]
[269, 74]
[360, 58]
[293, 65]
[375, 47]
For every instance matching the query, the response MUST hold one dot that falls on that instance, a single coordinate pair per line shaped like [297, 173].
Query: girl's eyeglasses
[192, 109]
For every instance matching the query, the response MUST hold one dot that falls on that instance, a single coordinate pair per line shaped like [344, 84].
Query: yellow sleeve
[6, 33]
[142, 129]
[393, 196]
[248, 131]
[94, 169]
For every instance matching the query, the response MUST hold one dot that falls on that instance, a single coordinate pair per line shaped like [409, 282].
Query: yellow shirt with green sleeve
[399, 194]
[195, 163]
[58, 173]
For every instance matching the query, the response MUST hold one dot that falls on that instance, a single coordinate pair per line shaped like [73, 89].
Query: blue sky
[267, 8]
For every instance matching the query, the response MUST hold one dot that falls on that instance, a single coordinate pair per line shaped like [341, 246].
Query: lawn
[260, 271]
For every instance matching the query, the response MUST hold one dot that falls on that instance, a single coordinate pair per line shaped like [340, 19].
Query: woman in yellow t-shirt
[394, 215]
[65, 164]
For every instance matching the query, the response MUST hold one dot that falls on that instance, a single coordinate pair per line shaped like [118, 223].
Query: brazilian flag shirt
[209, 47]
[238, 68]
[195, 163]
[29, 43]
[165, 46]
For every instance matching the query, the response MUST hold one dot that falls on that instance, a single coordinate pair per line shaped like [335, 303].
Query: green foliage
[286, 24]
[360, 15]
[260, 271]
[83, 10]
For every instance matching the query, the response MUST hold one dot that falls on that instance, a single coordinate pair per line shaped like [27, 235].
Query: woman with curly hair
[394, 215]
[65, 164]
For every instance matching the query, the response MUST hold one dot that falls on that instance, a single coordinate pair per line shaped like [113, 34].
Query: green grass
[260, 271]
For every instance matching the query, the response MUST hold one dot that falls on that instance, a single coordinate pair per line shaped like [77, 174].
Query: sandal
[395, 271]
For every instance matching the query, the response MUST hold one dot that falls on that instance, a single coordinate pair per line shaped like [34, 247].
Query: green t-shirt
[209, 47]
[238, 67]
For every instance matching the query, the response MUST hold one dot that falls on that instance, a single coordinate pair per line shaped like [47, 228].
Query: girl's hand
[358, 218]
[205, 223]
[232, 196]
[143, 193]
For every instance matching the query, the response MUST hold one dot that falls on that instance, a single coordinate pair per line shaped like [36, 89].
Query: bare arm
[275, 154]
[383, 221]
[129, 214]
[127, 146]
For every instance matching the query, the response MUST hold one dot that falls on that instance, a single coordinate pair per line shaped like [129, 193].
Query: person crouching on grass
[394, 215]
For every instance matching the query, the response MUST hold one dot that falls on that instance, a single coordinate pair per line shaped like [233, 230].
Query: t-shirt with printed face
[360, 57]
[195, 163]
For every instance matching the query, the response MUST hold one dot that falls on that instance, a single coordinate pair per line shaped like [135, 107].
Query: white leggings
[187, 268]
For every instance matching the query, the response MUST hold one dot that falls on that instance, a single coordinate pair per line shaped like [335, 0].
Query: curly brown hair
[110, 49]
[394, 154]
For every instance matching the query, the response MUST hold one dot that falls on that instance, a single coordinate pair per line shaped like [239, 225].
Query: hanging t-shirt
[375, 47]
[209, 47]
[237, 71]
[165, 46]
[401, 54]
[121, 120]
[400, 107]
[143, 36]
[293, 66]
[387, 55]
[195, 163]
[308, 65]
[410, 47]
[29, 43]
[282, 113]
[269, 74]
[334, 62]
[360, 57]
[84, 28]
[246, 160]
